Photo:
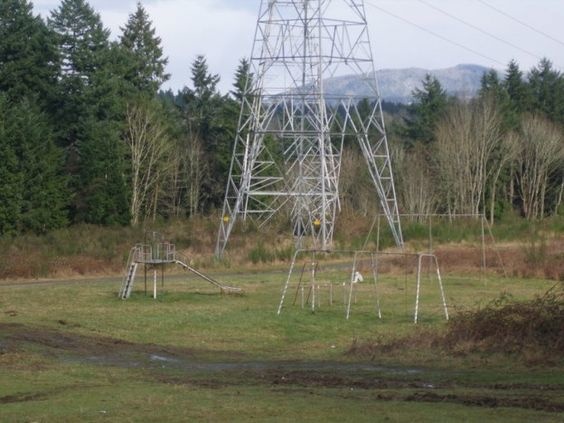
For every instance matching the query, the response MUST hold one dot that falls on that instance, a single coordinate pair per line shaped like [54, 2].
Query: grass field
[71, 351]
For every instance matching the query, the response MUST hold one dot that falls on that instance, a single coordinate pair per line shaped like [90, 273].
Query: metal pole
[483, 264]
[285, 289]
[378, 236]
[430, 235]
[418, 290]
[496, 249]
[155, 283]
[351, 287]
[312, 290]
[145, 269]
[374, 258]
[313, 286]
[441, 286]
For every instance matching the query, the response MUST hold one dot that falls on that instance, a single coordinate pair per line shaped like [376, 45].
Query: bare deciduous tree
[414, 180]
[184, 181]
[505, 154]
[149, 144]
[195, 171]
[541, 150]
[466, 159]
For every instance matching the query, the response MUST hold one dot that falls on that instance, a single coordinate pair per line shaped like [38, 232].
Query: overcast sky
[222, 30]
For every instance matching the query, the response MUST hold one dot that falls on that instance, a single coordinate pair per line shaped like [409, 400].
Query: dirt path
[184, 366]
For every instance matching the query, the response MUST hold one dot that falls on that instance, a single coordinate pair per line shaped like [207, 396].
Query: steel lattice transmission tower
[287, 152]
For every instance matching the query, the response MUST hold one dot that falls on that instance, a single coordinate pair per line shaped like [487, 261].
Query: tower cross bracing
[291, 132]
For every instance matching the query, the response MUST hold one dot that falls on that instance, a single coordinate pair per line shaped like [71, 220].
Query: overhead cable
[519, 21]
[477, 28]
[445, 39]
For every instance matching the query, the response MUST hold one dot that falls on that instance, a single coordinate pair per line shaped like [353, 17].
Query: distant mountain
[397, 85]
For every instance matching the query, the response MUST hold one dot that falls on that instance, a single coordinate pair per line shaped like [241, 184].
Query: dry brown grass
[521, 260]
[95, 251]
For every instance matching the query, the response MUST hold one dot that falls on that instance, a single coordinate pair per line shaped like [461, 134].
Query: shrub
[512, 327]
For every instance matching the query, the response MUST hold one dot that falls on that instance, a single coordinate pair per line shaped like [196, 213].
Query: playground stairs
[131, 269]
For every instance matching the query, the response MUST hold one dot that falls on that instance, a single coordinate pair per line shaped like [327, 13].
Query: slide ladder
[224, 289]
[129, 277]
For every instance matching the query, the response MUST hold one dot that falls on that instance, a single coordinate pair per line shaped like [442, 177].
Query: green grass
[39, 382]
[189, 314]
[104, 399]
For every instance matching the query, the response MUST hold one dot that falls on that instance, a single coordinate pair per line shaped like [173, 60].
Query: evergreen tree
[516, 89]
[82, 38]
[243, 80]
[92, 97]
[210, 119]
[82, 43]
[203, 99]
[147, 71]
[103, 192]
[547, 91]
[493, 89]
[28, 57]
[490, 83]
[33, 194]
[103, 196]
[202, 103]
[45, 197]
[11, 188]
[430, 105]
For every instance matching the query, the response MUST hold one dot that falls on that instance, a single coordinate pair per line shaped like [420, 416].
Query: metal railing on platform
[159, 253]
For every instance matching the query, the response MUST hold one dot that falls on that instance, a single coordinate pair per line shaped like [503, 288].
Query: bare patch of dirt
[384, 388]
[9, 399]
[424, 392]
[325, 380]
[16, 336]
[180, 366]
[527, 402]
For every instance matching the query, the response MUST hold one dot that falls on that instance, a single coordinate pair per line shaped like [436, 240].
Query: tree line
[501, 151]
[87, 135]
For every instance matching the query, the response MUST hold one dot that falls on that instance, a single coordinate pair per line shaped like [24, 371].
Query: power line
[525, 24]
[471, 50]
[477, 28]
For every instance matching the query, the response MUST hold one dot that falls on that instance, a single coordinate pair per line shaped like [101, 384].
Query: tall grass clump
[261, 254]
